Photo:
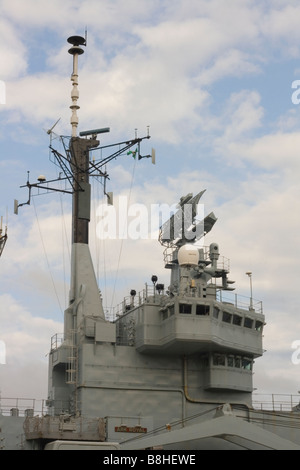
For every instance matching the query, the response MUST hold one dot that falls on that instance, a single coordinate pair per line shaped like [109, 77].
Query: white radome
[188, 255]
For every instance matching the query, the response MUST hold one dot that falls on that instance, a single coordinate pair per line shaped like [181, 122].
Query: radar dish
[77, 41]
[178, 226]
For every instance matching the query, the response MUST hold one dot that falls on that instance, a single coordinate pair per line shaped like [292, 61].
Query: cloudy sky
[216, 81]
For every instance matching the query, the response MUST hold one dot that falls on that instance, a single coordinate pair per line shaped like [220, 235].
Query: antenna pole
[79, 149]
[75, 51]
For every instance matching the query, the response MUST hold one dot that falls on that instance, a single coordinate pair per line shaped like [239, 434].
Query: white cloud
[282, 23]
[147, 81]
[40, 14]
[272, 152]
[243, 114]
[38, 99]
[232, 63]
[12, 51]
[27, 340]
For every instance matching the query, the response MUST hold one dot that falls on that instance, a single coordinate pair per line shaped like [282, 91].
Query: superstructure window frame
[226, 317]
[202, 309]
[185, 309]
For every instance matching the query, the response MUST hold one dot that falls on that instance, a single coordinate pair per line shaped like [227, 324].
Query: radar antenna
[182, 227]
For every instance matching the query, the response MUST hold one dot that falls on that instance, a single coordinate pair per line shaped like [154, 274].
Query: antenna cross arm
[127, 145]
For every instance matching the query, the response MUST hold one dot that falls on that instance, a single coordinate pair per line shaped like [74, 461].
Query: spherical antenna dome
[188, 255]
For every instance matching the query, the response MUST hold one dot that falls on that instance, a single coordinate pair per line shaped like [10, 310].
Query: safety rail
[150, 293]
[56, 341]
[223, 263]
[276, 402]
[239, 301]
[22, 407]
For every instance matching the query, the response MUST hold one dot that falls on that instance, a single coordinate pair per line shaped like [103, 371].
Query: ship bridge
[226, 336]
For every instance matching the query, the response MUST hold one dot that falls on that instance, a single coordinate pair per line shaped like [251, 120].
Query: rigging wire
[63, 228]
[100, 247]
[48, 264]
[94, 199]
[64, 237]
[63, 233]
[122, 239]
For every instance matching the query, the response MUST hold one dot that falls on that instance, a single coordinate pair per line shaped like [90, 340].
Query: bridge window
[227, 317]
[237, 362]
[237, 320]
[230, 361]
[246, 364]
[219, 359]
[185, 308]
[248, 323]
[259, 325]
[202, 310]
[216, 312]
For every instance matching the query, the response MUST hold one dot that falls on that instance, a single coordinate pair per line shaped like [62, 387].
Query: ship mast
[84, 288]
[84, 298]
[75, 51]
[79, 149]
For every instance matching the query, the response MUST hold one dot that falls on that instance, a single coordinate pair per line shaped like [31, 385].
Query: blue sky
[213, 80]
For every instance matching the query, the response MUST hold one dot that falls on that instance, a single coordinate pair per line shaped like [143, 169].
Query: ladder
[72, 360]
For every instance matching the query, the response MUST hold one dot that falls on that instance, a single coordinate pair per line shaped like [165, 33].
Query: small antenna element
[75, 51]
[51, 128]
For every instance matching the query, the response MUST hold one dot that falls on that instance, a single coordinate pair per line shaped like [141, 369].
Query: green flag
[132, 153]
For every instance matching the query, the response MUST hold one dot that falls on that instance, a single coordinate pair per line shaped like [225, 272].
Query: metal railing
[148, 294]
[276, 402]
[56, 341]
[22, 406]
[222, 262]
[240, 301]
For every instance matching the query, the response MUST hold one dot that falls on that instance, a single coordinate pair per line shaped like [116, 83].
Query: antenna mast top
[75, 51]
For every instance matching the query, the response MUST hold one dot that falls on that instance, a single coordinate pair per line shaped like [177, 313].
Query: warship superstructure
[174, 368]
